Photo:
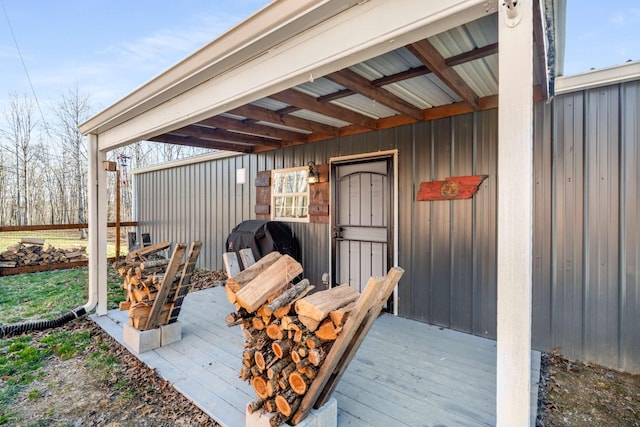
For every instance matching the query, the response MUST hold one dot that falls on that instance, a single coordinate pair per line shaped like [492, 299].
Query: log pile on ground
[294, 340]
[154, 285]
[31, 251]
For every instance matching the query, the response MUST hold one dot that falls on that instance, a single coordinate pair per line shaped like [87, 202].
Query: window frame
[293, 194]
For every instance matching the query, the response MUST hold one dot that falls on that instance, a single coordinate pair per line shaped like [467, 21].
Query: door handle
[337, 232]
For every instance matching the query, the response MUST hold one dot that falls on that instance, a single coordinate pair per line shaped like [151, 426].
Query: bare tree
[71, 111]
[20, 126]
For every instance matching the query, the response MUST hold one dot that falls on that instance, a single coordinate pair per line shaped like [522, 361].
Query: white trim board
[598, 78]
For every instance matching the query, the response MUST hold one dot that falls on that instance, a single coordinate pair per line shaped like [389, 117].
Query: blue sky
[110, 47]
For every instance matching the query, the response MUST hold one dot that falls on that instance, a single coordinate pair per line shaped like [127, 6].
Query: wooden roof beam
[354, 81]
[250, 127]
[265, 115]
[306, 102]
[226, 136]
[432, 59]
[472, 55]
[201, 143]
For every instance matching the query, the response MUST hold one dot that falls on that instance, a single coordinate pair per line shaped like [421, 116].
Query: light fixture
[314, 175]
[241, 176]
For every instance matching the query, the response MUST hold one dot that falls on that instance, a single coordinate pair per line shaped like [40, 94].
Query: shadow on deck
[405, 373]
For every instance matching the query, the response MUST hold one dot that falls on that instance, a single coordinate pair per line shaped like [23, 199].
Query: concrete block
[326, 416]
[170, 333]
[141, 341]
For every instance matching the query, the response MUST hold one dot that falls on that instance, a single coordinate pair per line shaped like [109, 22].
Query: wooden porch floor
[405, 373]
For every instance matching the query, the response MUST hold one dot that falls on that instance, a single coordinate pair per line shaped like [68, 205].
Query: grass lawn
[38, 296]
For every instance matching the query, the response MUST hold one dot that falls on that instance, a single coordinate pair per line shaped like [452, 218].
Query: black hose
[40, 325]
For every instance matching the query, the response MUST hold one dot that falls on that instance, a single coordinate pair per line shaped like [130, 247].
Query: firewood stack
[146, 274]
[30, 251]
[288, 333]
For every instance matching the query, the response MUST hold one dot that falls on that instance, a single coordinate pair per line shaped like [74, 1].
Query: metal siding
[567, 300]
[542, 239]
[630, 294]
[404, 138]
[602, 233]
[441, 227]
[461, 233]
[485, 219]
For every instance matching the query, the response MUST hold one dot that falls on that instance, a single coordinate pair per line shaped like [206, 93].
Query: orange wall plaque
[452, 188]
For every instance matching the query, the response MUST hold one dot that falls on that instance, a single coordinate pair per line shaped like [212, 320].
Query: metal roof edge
[188, 161]
[597, 78]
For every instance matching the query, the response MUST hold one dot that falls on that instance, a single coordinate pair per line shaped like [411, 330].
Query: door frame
[388, 154]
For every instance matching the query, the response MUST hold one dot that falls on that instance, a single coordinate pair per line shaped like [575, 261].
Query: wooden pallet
[182, 288]
[172, 292]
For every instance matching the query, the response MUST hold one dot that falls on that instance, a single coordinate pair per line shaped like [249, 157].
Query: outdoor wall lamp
[314, 175]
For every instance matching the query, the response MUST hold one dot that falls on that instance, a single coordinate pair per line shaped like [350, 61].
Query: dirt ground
[576, 394]
[71, 394]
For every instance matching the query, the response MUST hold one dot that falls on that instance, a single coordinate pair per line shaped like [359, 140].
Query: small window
[290, 194]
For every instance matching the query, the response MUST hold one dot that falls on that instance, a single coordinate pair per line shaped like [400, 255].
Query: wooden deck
[406, 373]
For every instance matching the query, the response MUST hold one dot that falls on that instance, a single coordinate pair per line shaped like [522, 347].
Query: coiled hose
[40, 325]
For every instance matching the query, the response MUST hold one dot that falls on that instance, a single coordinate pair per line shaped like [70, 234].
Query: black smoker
[263, 237]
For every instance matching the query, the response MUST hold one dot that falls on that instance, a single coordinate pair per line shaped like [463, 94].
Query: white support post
[515, 213]
[97, 187]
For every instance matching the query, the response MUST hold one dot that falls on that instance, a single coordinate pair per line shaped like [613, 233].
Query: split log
[154, 263]
[313, 341]
[271, 281]
[339, 316]
[287, 402]
[316, 356]
[262, 359]
[328, 331]
[278, 419]
[274, 332]
[270, 405]
[319, 305]
[239, 280]
[287, 297]
[31, 241]
[148, 250]
[298, 382]
[281, 348]
[255, 405]
[260, 387]
[278, 367]
[309, 323]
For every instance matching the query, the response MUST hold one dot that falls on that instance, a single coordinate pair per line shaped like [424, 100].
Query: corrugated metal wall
[447, 248]
[586, 241]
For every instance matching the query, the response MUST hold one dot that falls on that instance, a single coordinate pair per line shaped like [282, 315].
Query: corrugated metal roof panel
[320, 118]
[319, 87]
[367, 106]
[269, 104]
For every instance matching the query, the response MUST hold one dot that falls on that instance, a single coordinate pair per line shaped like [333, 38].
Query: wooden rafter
[270, 116]
[354, 81]
[202, 143]
[472, 55]
[402, 75]
[301, 100]
[432, 59]
[249, 126]
[221, 135]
